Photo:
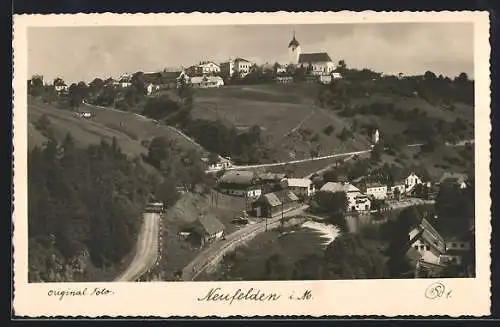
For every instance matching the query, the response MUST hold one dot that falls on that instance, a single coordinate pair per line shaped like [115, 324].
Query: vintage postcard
[252, 164]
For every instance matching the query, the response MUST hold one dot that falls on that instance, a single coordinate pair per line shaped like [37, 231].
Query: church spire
[293, 42]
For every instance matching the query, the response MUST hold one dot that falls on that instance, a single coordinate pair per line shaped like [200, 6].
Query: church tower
[375, 137]
[294, 51]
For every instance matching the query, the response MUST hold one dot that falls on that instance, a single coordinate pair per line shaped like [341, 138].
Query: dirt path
[146, 249]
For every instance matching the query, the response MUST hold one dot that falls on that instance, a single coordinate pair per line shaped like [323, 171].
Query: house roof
[211, 224]
[153, 78]
[298, 182]
[271, 176]
[431, 236]
[170, 76]
[208, 63]
[339, 187]
[374, 184]
[314, 57]
[458, 177]
[241, 59]
[275, 198]
[238, 177]
[59, 83]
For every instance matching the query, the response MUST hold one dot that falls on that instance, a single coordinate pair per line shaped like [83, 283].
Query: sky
[83, 53]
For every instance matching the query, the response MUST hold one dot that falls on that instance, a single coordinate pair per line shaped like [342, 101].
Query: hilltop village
[242, 158]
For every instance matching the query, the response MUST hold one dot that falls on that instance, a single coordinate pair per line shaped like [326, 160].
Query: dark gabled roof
[314, 57]
[275, 198]
[154, 78]
[240, 59]
[238, 177]
[431, 236]
[169, 76]
[210, 224]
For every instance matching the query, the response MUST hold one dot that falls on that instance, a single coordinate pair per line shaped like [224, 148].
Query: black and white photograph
[253, 152]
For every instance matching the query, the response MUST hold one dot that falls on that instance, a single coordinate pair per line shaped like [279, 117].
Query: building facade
[376, 191]
[302, 187]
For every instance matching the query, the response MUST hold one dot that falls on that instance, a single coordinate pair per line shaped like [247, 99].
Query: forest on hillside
[85, 204]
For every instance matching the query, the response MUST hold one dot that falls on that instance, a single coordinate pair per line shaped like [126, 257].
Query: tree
[455, 209]
[213, 158]
[96, 86]
[76, 93]
[345, 134]
[349, 257]
[397, 232]
[160, 107]
[35, 85]
[376, 153]
[334, 205]
[157, 152]
[328, 130]
[429, 76]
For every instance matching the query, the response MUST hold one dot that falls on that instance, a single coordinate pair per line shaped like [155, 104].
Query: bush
[328, 130]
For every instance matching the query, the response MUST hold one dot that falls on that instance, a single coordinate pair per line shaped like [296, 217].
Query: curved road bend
[146, 251]
[215, 252]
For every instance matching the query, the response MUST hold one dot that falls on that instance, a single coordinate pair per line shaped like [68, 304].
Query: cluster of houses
[208, 74]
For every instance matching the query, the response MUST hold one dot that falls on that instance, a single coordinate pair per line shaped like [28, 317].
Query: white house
[376, 191]
[240, 183]
[284, 79]
[411, 181]
[242, 67]
[239, 66]
[206, 81]
[152, 88]
[428, 242]
[60, 86]
[327, 78]
[300, 186]
[355, 199]
[209, 67]
[222, 163]
[392, 191]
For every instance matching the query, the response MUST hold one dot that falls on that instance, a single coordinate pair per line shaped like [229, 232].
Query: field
[289, 119]
[294, 126]
[129, 129]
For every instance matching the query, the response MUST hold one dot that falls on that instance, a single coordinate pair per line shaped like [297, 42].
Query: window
[422, 247]
[416, 247]
[427, 247]
[453, 245]
[462, 245]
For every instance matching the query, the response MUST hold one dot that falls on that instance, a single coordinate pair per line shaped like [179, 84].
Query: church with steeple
[316, 63]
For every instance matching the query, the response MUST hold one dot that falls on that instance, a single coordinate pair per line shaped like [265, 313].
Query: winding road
[147, 249]
[216, 251]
